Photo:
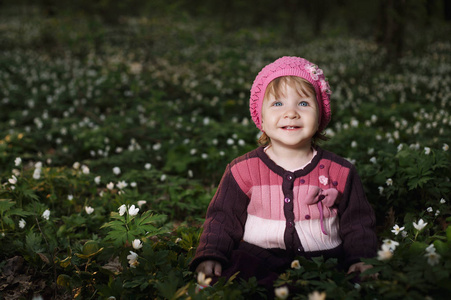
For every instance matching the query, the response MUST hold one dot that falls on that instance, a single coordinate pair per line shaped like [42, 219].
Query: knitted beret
[291, 66]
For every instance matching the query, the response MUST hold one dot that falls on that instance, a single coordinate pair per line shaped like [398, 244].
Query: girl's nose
[291, 113]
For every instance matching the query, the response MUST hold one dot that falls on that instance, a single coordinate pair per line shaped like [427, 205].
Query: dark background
[397, 25]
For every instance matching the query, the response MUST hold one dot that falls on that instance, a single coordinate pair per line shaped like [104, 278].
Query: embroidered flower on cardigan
[313, 70]
[323, 180]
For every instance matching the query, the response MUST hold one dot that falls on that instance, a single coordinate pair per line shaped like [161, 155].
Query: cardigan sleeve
[357, 222]
[223, 228]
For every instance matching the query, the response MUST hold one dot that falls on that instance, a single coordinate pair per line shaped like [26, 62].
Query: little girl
[289, 197]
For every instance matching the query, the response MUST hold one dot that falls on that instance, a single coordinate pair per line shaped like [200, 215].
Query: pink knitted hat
[291, 66]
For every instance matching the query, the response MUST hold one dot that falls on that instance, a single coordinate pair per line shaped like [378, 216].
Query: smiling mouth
[290, 127]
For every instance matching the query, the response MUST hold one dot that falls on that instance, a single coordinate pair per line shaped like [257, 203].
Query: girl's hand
[361, 267]
[210, 268]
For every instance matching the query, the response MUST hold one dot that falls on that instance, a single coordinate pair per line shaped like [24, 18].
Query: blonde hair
[304, 89]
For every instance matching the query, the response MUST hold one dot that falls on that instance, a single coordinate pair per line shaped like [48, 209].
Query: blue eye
[304, 103]
[277, 104]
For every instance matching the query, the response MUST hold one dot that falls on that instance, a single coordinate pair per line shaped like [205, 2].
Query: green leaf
[417, 248]
[19, 212]
[441, 247]
[448, 234]
[33, 243]
[168, 287]
[63, 280]
[6, 204]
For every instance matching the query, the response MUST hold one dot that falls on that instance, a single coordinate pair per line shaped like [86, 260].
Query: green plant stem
[53, 256]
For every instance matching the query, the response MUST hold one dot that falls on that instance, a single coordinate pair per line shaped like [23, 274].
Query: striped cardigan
[318, 210]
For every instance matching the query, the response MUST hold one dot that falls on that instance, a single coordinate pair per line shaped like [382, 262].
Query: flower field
[114, 138]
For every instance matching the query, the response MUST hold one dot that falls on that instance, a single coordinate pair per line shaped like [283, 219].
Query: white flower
[390, 244]
[16, 172]
[427, 150]
[132, 211]
[295, 264]
[147, 166]
[46, 214]
[230, 141]
[204, 155]
[85, 169]
[121, 185]
[385, 253]
[22, 223]
[135, 68]
[404, 234]
[317, 296]
[116, 170]
[430, 248]
[281, 292]
[122, 209]
[89, 210]
[190, 174]
[389, 181]
[421, 224]
[76, 165]
[133, 259]
[110, 186]
[141, 203]
[133, 184]
[400, 147]
[17, 161]
[70, 197]
[396, 229]
[163, 177]
[429, 209]
[433, 258]
[442, 201]
[445, 147]
[37, 174]
[373, 160]
[13, 180]
[202, 280]
[437, 212]
[323, 180]
[137, 244]
[381, 190]
[353, 144]
[97, 179]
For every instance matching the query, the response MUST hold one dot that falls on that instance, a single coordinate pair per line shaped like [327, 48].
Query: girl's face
[291, 120]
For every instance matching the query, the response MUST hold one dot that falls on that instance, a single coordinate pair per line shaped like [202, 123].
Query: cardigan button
[321, 197]
[287, 200]
[307, 217]
[290, 224]
[321, 166]
[335, 183]
[302, 181]
[289, 177]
